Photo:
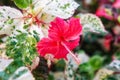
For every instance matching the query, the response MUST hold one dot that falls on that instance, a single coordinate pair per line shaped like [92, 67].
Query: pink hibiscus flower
[63, 37]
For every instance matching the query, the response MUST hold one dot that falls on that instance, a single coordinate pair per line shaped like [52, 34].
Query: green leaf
[86, 71]
[96, 62]
[91, 23]
[85, 67]
[23, 3]
[60, 65]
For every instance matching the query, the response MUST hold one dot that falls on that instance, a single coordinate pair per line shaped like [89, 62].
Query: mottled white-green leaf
[91, 23]
[72, 66]
[22, 73]
[63, 9]
[22, 47]
[36, 29]
[115, 65]
[81, 55]
[10, 20]
[69, 72]
[102, 74]
[60, 8]
[4, 63]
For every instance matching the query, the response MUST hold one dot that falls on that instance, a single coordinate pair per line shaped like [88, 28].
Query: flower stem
[75, 58]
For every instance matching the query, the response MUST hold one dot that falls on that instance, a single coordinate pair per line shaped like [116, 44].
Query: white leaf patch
[115, 64]
[26, 74]
[91, 23]
[81, 56]
[4, 63]
[63, 9]
[10, 20]
[60, 8]
[37, 29]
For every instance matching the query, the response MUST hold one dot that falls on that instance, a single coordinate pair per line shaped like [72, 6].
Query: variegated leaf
[102, 74]
[4, 63]
[10, 20]
[63, 9]
[60, 8]
[115, 65]
[37, 29]
[81, 55]
[91, 23]
[22, 73]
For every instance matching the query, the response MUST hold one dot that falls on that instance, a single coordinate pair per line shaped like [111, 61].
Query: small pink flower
[107, 13]
[116, 4]
[63, 36]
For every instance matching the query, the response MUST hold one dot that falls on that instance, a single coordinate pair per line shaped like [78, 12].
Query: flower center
[33, 17]
[62, 38]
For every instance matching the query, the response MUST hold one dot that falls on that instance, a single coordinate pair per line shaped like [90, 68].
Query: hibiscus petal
[61, 53]
[47, 46]
[75, 29]
[72, 44]
[58, 29]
